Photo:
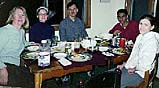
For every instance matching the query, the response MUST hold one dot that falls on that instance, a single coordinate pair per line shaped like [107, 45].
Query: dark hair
[150, 18]
[122, 11]
[72, 3]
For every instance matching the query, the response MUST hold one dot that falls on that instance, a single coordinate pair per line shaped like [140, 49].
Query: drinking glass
[76, 47]
[54, 40]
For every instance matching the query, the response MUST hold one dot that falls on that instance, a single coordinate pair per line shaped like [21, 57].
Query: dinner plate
[108, 54]
[80, 57]
[31, 55]
[33, 47]
[57, 49]
[103, 48]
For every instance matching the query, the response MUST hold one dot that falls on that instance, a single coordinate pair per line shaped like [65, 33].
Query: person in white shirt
[142, 56]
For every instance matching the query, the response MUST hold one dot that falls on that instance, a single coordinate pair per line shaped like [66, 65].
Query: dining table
[56, 69]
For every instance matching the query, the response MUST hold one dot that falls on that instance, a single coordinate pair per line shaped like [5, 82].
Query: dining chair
[107, 79]
[148, 77]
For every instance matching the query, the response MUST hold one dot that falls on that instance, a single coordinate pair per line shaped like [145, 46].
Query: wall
[103, 16]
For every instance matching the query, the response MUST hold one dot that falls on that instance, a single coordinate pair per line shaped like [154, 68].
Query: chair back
[108, 79]
[148, 77]
[153, 73]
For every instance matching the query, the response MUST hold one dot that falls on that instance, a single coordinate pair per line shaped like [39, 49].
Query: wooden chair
[108, 79]
[148, 77]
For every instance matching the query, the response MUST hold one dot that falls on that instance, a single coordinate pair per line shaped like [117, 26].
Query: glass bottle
[44, 54]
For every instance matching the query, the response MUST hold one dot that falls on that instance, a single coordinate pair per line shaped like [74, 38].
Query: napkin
[64, 61]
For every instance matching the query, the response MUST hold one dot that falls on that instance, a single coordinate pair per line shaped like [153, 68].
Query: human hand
[3, 76]
[116, 32]
[121, 66]
[131, 70]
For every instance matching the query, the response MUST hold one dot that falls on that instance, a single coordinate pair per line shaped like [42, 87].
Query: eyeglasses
[42, 14]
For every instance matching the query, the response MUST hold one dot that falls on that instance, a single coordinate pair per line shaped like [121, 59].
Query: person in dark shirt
[127, 29]
[41, 30]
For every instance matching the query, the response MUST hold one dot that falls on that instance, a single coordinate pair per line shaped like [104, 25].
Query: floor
[79, 78]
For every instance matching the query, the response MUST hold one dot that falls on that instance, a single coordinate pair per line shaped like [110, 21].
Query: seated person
[127, 29]
[72, 27]
[143, 53]
[12, 37]
[41, 30]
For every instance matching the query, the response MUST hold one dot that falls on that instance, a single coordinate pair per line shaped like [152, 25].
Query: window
[57, 10]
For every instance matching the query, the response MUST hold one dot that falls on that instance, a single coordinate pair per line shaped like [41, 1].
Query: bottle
[114, 41]
[44, 54]
[68, 48]
[118, 39]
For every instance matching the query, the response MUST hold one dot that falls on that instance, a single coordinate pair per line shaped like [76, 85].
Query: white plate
[80, 58]
[57, 49]
[33, 48]
[107, 54]
[32, 55]
[60, 55]
[102, 48]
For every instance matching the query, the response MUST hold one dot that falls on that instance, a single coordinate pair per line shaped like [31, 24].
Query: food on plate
[80, 57]
[57, 49]
[119, 50]
[105, 43]
[75, 55]
[31, 55]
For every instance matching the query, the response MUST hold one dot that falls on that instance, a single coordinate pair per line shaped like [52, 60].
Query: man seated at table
[72, 27]
[127, 29]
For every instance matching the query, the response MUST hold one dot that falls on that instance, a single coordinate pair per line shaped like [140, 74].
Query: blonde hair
[11, 14]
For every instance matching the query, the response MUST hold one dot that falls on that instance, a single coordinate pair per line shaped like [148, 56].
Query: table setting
[93, 51]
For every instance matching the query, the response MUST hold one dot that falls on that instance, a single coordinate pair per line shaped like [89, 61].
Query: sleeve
[62, 31]
[31, 34]
[4, 39]
[84, 33]
[132, 61]
[24, 39]
[53, 31]
[148, 54]
[113, 29]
